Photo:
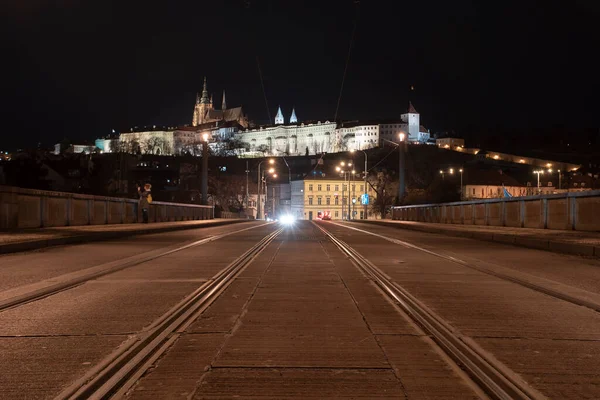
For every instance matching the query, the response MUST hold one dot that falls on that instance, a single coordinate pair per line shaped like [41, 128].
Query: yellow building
[313, 198]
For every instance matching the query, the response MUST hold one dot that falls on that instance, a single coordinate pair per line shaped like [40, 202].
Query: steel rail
[530, 285]
[114, 377]
[54, 288]
[497, 380]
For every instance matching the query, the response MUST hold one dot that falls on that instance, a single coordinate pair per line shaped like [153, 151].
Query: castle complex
[229, 127]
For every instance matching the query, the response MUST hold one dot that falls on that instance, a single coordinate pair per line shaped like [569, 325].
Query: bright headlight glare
[287, 219]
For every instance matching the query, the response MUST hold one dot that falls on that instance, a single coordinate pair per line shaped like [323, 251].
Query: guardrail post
[522, 213]
[544, 210]
[68, 210]
[486, 218]
[573, 213]
[42, 211]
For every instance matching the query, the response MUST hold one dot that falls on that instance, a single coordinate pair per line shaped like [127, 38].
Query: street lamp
[559, 180]
[365, 177]
[258, 184]
[461, 183]
[205, 169]
[401, 150]
[442, 173]
[538, 173]
[345, 172]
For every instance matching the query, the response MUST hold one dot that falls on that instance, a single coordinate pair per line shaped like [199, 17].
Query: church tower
[223, 104]
[412, 119]
[202, 106]
[293, 119]
[279, 117]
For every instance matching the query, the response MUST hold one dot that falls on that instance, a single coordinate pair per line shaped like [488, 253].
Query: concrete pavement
[32, 239]
[301, 320]
[560, 241]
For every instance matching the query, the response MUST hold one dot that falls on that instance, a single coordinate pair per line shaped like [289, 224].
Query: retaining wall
[571, 211]
[28, 208]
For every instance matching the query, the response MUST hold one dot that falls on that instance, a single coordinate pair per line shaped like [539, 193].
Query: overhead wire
[356, 3]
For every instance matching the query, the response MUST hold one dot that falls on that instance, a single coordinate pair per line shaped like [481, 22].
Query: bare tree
[386, 187]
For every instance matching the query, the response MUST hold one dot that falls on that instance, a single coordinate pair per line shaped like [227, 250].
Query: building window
[319, 201]
[337, 214]
[353, 187]
[310, 188]
[319, 188]
[344, 188]
[473, 191]
[362, 187]
[328, 201]
[337, 187]
[337, 201]
[328, 187]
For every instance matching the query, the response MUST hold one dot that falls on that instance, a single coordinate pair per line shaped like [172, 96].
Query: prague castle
[228, 128]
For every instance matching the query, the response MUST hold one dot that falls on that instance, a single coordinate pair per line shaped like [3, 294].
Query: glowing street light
[401, 150]
[538, 173]
[259, 185]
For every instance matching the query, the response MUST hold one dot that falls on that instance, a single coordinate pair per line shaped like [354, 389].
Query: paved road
[299, 319]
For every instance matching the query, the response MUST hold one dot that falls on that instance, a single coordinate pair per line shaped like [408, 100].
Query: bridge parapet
[29, 208]
[571, 211]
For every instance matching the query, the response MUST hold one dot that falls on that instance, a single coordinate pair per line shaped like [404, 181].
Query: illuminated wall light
[496, 157]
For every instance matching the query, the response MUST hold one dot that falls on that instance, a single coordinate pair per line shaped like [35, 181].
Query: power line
[263, 89]
[347, 60]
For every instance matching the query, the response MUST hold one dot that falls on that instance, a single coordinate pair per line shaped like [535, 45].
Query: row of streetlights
[451, 172]
[549, 170]
[344, 169]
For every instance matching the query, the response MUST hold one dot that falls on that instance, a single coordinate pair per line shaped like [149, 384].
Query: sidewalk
[31, 239]
[560, 241]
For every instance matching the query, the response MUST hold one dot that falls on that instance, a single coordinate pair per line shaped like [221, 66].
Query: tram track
[50, 287]
[114, 376]
[570, 298]
[496, 379]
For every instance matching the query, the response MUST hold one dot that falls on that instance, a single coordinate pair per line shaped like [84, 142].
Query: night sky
[79, 68]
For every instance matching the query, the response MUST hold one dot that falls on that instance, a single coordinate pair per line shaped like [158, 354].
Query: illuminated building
[409, 124]
[204, 112]
[318, 196]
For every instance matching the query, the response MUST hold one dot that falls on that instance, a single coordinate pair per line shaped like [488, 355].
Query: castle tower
[279, 117]
[202, 107]
[412, 119]
[223, 104]
[293, 118]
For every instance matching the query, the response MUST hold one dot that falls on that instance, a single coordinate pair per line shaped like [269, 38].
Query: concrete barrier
[571, 211]
[28, 208]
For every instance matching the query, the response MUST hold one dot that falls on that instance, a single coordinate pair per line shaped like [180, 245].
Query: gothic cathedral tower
[202, 106]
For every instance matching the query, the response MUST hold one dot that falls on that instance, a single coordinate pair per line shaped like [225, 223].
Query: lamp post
[365, 191]
[259, 184]
[442, 173]
[205, 169]
[345, 210]
[559, 179]
[401, 149]
[538, 173]
[461, 183]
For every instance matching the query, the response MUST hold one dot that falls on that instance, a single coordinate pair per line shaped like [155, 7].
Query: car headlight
[287, 219]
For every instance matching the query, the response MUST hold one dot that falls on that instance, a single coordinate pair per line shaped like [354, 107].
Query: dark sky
[79, 68]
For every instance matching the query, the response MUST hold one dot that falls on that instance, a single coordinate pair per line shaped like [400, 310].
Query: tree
[385, 186]
[229, 192]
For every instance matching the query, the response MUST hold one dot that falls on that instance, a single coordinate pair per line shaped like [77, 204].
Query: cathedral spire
[197, 98]
[211, 97]
[279, 117]
[293, 118]
[204, 99]
[223, 104]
